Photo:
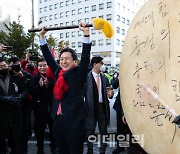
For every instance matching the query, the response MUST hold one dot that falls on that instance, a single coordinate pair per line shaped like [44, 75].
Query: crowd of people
[70, 97]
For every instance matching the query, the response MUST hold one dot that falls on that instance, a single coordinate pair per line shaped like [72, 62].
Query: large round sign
[150, 76]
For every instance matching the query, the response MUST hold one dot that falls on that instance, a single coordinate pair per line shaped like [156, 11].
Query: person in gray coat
[97, 93]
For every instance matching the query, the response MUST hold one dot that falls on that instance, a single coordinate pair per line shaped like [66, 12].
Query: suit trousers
[69, 135]
[100, 119]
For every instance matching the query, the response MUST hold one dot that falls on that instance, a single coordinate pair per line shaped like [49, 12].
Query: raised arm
[47, 53]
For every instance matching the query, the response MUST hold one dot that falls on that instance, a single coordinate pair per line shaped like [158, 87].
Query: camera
[34, 56]
[16, 67]
[8, 48]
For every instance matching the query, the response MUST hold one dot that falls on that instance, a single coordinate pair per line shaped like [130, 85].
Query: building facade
[54, 13]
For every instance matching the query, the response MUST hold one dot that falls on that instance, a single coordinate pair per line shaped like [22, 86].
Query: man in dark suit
[12, 93]
[41, 89]
[97, 92]
[68, 108]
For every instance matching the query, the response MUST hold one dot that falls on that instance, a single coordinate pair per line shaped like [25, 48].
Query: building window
[61, 35]
[93, 31]
[40, 1]
[128, 22]
[93, 42]
[79, 1]
[61, 24]
[50, 17]
[74, 22]
[61, 15]
[50, 7]
[101, 6]
[123, 32]
[45, 18]
[79, 21]
[56, 6]
[93, 7]
[56, 25]
[50, 25]
[79, 33]
[86, 20]
[40, 10]
[122, 43]
[67, 35]
[118, 17]
[118, 5]
[45, 0]
[73, 12]
[86, 9]
[73, 34]
[118, 30]
[79, 10]
[41, 20]
[67, 23]
[55, 16]
[61, 4]
[101, 42]
[109, 16]
[45, 8]
[109, 4]
[108, 41]
[118, 42]
[73, 45]
[73, 2]
[67, 3]
[101, 17]
[67, 13]
[123, 20]
[79, 44]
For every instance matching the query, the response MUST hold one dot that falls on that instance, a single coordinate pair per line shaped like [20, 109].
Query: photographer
[14, 67]
[12, 92]
[28, 65]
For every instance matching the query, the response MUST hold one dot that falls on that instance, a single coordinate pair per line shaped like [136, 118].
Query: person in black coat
[97, 93]
[41, 89]
[12, 93]
[68, 108]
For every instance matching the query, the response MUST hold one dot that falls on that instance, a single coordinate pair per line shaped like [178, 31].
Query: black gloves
[177, 121]
[13, 100]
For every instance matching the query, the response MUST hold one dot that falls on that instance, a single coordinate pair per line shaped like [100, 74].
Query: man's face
[66, 61]
[98, 65]
[3, 65]
[42, 67]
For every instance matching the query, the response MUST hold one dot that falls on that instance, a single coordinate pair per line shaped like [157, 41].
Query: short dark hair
[73, 53]
[96, 59]
[40, 60]
[13, 59]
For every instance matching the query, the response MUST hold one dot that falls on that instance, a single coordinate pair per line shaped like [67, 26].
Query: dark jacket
[72, 104]
[117, 104]
[10, 115]
[90, 101]
[41, 97]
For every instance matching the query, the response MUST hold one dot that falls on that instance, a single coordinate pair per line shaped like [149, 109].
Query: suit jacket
[90, 99]
[41, 97]
[72, 104]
